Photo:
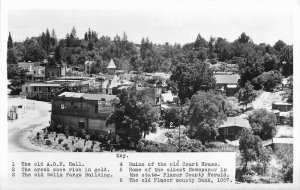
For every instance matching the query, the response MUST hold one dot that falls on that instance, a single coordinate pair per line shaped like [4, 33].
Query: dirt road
[265, 100]
[35, 118]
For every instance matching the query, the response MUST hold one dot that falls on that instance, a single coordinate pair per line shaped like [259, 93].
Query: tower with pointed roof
[111, 68]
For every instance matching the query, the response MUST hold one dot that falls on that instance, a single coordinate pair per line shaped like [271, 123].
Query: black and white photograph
[140, 77]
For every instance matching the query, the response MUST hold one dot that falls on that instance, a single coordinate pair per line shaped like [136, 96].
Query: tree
[279, 45]
[206, 112]
[190, 78]
[270, 62]
[135, 114]
[9, 42]
[173, 117]
[263, 123]
[223, 49]
[48, 41]
[246, 95]
[33, 51]
[250, 146]
[285, 155]
[244, 38]
[11, 57]
[211, 48]
[53, 39]
[286, 60]
[265, 158]
[202, 55]
[200, 43]
[290, 90]
[269, 80]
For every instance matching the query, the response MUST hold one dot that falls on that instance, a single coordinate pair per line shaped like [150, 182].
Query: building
[84, 111]
[55, 71]
[282, 106]
[112, 81]
[280, 143]
[40, 91]
[35, 74]
[27, 65]
[111, 68]
[232, 127]
[76, 81]
[227, 83]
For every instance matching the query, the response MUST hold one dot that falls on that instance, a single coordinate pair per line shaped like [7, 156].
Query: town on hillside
[97, 94]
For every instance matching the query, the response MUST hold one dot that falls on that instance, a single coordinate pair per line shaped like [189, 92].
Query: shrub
[249, 176]
[263, 124]
[60, 141]
[77, 149]
[89, 150]
[48, 142]
[220, 147]
[285, 155]
[65, 145]
[270, 79]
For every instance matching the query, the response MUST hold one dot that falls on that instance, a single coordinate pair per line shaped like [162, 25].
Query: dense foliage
[263, 123]
[247, 94]
[206, 112]
[134, 114]
[250, 147]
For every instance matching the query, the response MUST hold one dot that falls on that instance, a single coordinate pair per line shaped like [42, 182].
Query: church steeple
[111, 68]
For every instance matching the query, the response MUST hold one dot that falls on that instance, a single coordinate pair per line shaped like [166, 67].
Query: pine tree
[53, 38]
[73, 33]
[86, 36]
[9, 42]
[47, 41]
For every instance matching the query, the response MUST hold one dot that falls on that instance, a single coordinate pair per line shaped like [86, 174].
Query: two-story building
[40, 91]
[227, 83]
[28, 65]
[55, 71]
[84, 111]
[35, 74]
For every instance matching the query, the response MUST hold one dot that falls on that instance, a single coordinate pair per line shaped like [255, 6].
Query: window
[96, 108]
[226, 131]
[81, 124]
[157, 100]
[26, 89]
[34, 89]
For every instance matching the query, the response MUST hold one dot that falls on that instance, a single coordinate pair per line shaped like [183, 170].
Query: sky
[161, 21]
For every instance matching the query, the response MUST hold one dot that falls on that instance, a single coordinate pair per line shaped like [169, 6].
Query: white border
[131, 5]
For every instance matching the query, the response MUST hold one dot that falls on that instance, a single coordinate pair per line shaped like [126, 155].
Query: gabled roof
[227, 79]
[111, 65]
[235, 121]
